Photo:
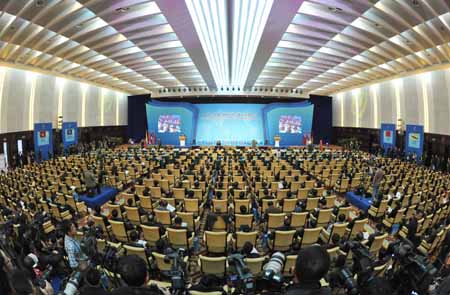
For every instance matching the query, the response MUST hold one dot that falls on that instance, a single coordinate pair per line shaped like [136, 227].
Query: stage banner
[43, 141]
[69, 134]
[414, 139]
[387, 136]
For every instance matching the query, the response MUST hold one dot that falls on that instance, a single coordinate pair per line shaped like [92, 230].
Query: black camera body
[241, 277]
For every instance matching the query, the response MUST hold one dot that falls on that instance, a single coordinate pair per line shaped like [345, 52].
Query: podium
[182, 139]
[277, 139]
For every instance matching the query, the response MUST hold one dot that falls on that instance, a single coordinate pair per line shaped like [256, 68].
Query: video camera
[272, 276]
[410, 271]
[177, 272]
[72, 284]
[241, 277]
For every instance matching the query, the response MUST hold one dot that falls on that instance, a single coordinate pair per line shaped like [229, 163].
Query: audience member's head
[133, 270]
[178, 221]
[93, 277]
[114, 213]
[243, 209]
[312, 264]
[134, 236]
[341, 217]
[335, 238]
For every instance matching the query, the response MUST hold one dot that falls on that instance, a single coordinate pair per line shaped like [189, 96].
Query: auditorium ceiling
[294, 46]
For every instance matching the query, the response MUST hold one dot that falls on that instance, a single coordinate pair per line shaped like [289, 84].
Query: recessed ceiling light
[122, 9]
[334, 9]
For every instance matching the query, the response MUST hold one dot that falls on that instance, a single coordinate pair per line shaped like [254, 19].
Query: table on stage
[359, 201]
[106, 194]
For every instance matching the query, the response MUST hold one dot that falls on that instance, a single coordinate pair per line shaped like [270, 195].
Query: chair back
[289, 205]
[289, 265]
[243, 237]
[312, 203]
[216, 242]
[118, 229]
[283, 240]
[146, 203]
[275, 220]
[298, 219]
[178, 238]
[213, 265]
[133, 214]
[151, 234]
[255, 265]
[163, 216]
[358, 227]
[188, 218]
[130, 250]
[243, 219]
[324, 216]
[310, 236]
[377, 243]
[161, 264]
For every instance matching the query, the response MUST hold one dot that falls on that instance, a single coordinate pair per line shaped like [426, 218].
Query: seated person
[141, 210]
[98, 213]
[271, 209]
[334, 242]
[311, 266]
[340, 220]
[249, 251]
[378, 232]
[135, 241]
[178, 224]
[115, 217]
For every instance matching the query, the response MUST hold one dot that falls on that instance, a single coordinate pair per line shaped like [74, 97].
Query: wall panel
[28, 97]
[422, 99]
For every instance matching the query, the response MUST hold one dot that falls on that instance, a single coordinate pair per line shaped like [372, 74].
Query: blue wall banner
[387, 136]
[69, 134]
[43, 140]
[414, 139]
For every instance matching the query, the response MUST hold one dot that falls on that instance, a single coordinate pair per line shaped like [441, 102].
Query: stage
[106, 194]
[358, 201]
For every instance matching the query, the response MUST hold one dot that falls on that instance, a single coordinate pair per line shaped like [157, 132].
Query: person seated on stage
[249, 251]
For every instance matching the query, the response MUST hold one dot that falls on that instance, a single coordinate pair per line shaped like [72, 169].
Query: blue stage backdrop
[291, 121]
[170, 120]
[43, 140]
[69, 134]
[414, 139]
[232, 124]
[387, 136]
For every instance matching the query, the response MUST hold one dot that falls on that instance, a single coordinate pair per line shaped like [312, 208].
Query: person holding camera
[312, 265]
[72, 246]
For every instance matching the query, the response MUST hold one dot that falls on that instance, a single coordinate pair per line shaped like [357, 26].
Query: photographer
[72, 246]
[312, 265]
[133, 271]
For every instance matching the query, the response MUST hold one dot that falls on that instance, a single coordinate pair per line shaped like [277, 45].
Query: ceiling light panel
[249, 21]
[210, 22]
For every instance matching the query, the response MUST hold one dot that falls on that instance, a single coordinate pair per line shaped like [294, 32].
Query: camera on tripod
[241, 276]
[177, 272]
[272, 276]
[410, 271]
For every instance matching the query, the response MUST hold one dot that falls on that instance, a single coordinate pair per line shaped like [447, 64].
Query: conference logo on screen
[169, 124]
[414, 140]
[290, 124]
[43, 138]
[388, 138]
[70, 135]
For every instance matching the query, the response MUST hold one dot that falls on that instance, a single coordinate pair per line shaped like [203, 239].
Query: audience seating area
[229, 198]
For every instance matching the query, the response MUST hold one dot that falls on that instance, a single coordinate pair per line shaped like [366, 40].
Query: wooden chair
[283, 240]
[324, 217]
[146, 203]
[298, 219]
[289, 265]
[337, 228]
[275, 220]
[377, 243]
[151, 234]
[213, 265]
[119, 231]
[192, 223]
[312, 203]
[163, 217]
[243, 219]
[358, 226]
[178, 238]
[216, 242]
[243, 237]
[289, 205]
[130, 250]
[389, 222]
[310, 236]
[255, 265]
[380, 211]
